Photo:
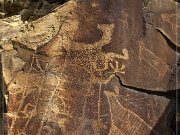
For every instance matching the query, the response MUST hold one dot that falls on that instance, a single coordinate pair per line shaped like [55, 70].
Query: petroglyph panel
[62, 91]
[64, 72]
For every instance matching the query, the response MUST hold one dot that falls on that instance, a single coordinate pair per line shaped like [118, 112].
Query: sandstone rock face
[93, 68]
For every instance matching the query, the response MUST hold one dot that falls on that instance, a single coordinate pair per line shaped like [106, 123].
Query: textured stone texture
[93, 68]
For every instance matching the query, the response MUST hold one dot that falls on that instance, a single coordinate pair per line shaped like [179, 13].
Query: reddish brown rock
[92, 68]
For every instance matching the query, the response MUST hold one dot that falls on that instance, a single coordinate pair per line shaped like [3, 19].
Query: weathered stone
[92, 67]
[10, 26]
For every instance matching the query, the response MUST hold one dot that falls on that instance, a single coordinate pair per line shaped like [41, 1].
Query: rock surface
[93, 68]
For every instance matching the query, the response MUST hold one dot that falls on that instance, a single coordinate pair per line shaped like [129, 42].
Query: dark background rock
[28, 9]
